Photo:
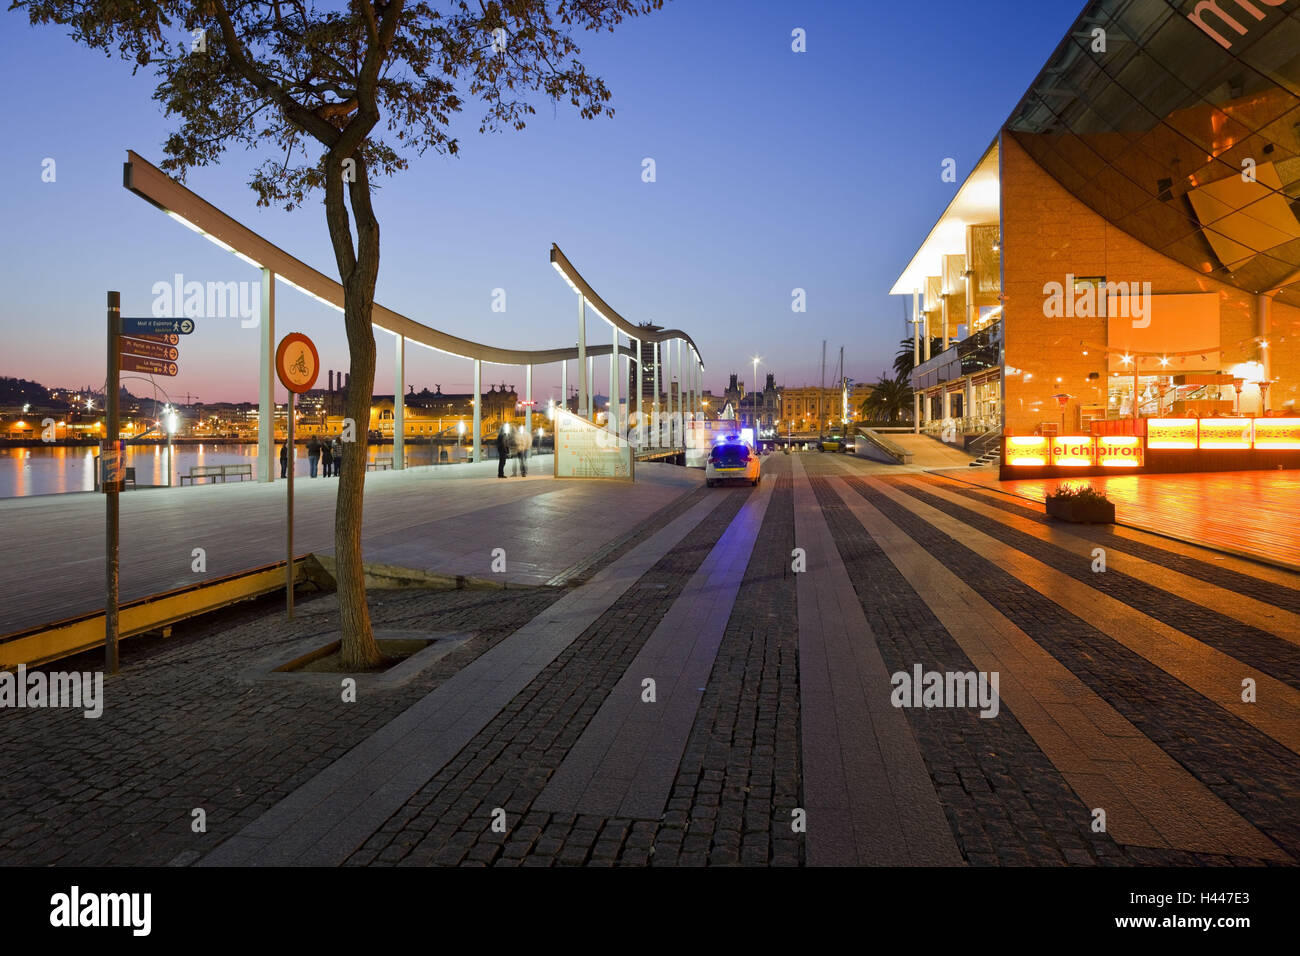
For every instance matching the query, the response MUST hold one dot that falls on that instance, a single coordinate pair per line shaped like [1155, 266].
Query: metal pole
[266, 382]
[584, 380]
[1135, 394]
[528, 397]
[668, 392]
[611, 422]
[288, 564]
[111, 503]
[658, 437]
[564, 384]
[478, 409]
[681, 410]
[399, 404]
[591, 391]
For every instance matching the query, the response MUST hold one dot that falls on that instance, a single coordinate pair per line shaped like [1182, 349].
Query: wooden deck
[1253, 514]
[445, 519]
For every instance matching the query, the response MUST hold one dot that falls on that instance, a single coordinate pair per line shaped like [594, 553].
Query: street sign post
[136, 326]
[297, 363]
[149, 366]
[112, 433]
[150, 348]
[165, 339]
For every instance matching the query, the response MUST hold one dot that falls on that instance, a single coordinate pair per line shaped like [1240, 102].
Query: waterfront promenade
[771, 737]
[428, 519]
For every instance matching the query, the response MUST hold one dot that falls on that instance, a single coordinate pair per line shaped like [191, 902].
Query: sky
[774, 170]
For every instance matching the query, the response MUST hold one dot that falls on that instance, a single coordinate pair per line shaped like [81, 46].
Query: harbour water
[49, 470]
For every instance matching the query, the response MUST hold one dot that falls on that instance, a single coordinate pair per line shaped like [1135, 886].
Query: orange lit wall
[1047, 233]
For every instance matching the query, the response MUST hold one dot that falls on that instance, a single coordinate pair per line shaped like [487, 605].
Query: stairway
[990, 457]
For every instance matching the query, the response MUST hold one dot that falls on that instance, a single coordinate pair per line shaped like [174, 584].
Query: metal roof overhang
[977, 202]
[153, 185]
[606, 312]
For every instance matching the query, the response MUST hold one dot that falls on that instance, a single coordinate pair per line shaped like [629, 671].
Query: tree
[903, 359]
[314, 86]
[890, 399]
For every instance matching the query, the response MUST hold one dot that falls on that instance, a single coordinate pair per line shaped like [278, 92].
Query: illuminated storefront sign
[1119, 451]
[1171, 433]
[1073, 451]
[1027, 450]
[1225, 433]
[1282, 434]
[1129, 451]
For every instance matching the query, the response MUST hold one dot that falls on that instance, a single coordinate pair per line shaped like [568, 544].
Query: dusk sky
[775, 170]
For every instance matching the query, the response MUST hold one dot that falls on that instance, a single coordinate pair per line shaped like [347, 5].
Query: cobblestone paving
[1250, 772]
[507, 765]
[1266, 591]
[1266, 652]
[180, 730]
[1005, 802]
[183, 730]
[739, 779]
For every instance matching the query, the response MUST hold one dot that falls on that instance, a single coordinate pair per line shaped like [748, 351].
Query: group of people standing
[513, 444]
[327, 455]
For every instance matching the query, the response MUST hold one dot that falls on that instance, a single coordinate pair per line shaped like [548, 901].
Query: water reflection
[59, 469]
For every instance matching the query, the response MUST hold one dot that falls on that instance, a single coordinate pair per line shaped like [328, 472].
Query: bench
[380, 464]
[198, 472]
[243, 471]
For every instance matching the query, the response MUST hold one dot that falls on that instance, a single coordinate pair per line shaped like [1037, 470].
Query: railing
[985, 443]
[873, 440]
[961, 426]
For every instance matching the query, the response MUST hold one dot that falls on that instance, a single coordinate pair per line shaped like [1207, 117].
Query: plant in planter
[1081, 504]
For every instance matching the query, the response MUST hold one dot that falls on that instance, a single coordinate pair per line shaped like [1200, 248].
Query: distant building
[812, 408]
[646, 367]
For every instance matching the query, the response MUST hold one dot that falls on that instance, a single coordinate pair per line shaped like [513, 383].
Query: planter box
[1081, 512]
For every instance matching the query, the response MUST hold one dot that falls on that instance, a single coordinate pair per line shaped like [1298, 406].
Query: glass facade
[1143, 257]
[1141, 110]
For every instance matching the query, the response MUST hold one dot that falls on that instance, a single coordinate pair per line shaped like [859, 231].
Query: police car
[730, 459]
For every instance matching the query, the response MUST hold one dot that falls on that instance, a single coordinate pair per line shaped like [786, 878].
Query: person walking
[313, 454]
[326, 460]
[503, 450]
[336, 452]
[524, 442]
[284, 460]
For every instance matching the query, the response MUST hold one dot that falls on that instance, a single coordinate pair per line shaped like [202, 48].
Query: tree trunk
[358, 649]
[358, 271]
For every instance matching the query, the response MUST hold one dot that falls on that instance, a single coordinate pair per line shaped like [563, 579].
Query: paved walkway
[1249, 513]
[1121, 735]
[436, 518]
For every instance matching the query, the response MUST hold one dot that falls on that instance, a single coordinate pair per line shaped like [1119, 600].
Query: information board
[584, 450]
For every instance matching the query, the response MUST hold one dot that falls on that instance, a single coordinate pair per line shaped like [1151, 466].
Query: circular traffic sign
[296, 362]
[187, 326]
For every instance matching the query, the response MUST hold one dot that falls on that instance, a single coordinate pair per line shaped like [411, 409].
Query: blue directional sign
[155, 325]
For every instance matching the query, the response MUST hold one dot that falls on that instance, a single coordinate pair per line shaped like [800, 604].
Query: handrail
[898, 453]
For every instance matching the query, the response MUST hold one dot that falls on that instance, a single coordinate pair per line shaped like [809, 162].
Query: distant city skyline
[775, 171]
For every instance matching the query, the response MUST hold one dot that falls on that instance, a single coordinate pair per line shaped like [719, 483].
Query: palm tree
[903, 360]
[890, 399]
